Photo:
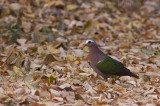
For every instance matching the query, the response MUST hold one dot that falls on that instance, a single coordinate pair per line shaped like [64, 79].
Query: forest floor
[42, 61]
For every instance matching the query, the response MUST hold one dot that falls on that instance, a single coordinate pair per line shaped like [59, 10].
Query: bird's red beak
[84, 45]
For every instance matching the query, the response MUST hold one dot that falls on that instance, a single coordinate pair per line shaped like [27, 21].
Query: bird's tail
[133, 75]
[126, 72]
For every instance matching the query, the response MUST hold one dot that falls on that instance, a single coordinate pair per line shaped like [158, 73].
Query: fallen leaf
[19, 91]
[17, 71]
[26, 26]
[58, 99]
[71, 7]
[45, 94]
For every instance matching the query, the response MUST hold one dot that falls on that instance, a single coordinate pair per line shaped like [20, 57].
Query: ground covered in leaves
[42, 61]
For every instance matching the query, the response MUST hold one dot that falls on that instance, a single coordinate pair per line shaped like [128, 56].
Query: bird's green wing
[109, 65]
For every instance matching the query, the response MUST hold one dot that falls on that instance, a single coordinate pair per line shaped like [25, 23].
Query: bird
[103, 64]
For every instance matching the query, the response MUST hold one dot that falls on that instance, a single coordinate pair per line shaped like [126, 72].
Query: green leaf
[50, 37]
[146, 78]
[87, 25]
[47, 31]
[14, 30]
[57, 35]
[61, 25]
[36, 85]
[6, 33]
[35, 38]
[14, 38]
[34, 50]
[2, 22]
[19, 22]
[10, 25]
[51, 80]
[150, 52]
[115, 77]
[78, 97]
[16, 27]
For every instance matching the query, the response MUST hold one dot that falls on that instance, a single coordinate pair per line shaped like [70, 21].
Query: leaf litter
[42, 61]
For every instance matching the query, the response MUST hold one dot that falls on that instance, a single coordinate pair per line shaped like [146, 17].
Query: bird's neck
[95, 53]
[94, 49]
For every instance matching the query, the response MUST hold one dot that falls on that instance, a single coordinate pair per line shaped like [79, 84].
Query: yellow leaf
[124, 53]
[41, 50]
[54, 3]
[130, 36]
[86, 49]
[42, 38]
[71, 7]
[136, 24]
[53, 50]
[129, 26]
[101, 87]
[76, 62]
[17, 71]
[59, 3]
[71, 57]
[28, 85]
[29, 15]
[3, 95]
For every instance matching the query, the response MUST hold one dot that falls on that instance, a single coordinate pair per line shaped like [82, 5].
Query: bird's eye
[89, 42]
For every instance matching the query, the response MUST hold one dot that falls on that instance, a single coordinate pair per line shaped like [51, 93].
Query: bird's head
[90, 43]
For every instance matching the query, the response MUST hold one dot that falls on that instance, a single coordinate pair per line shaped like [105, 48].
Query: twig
[151, 41]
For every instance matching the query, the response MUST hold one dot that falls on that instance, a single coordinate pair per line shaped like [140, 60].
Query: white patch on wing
[100, 61]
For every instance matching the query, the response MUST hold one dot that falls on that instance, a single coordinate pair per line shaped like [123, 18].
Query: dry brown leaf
[79, 103]
[45, 94]
[54, 3]
[26, 26]
[19, 91]
[119, 30]
[60, 99]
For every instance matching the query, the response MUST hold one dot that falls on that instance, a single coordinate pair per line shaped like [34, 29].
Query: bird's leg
[105, 76]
